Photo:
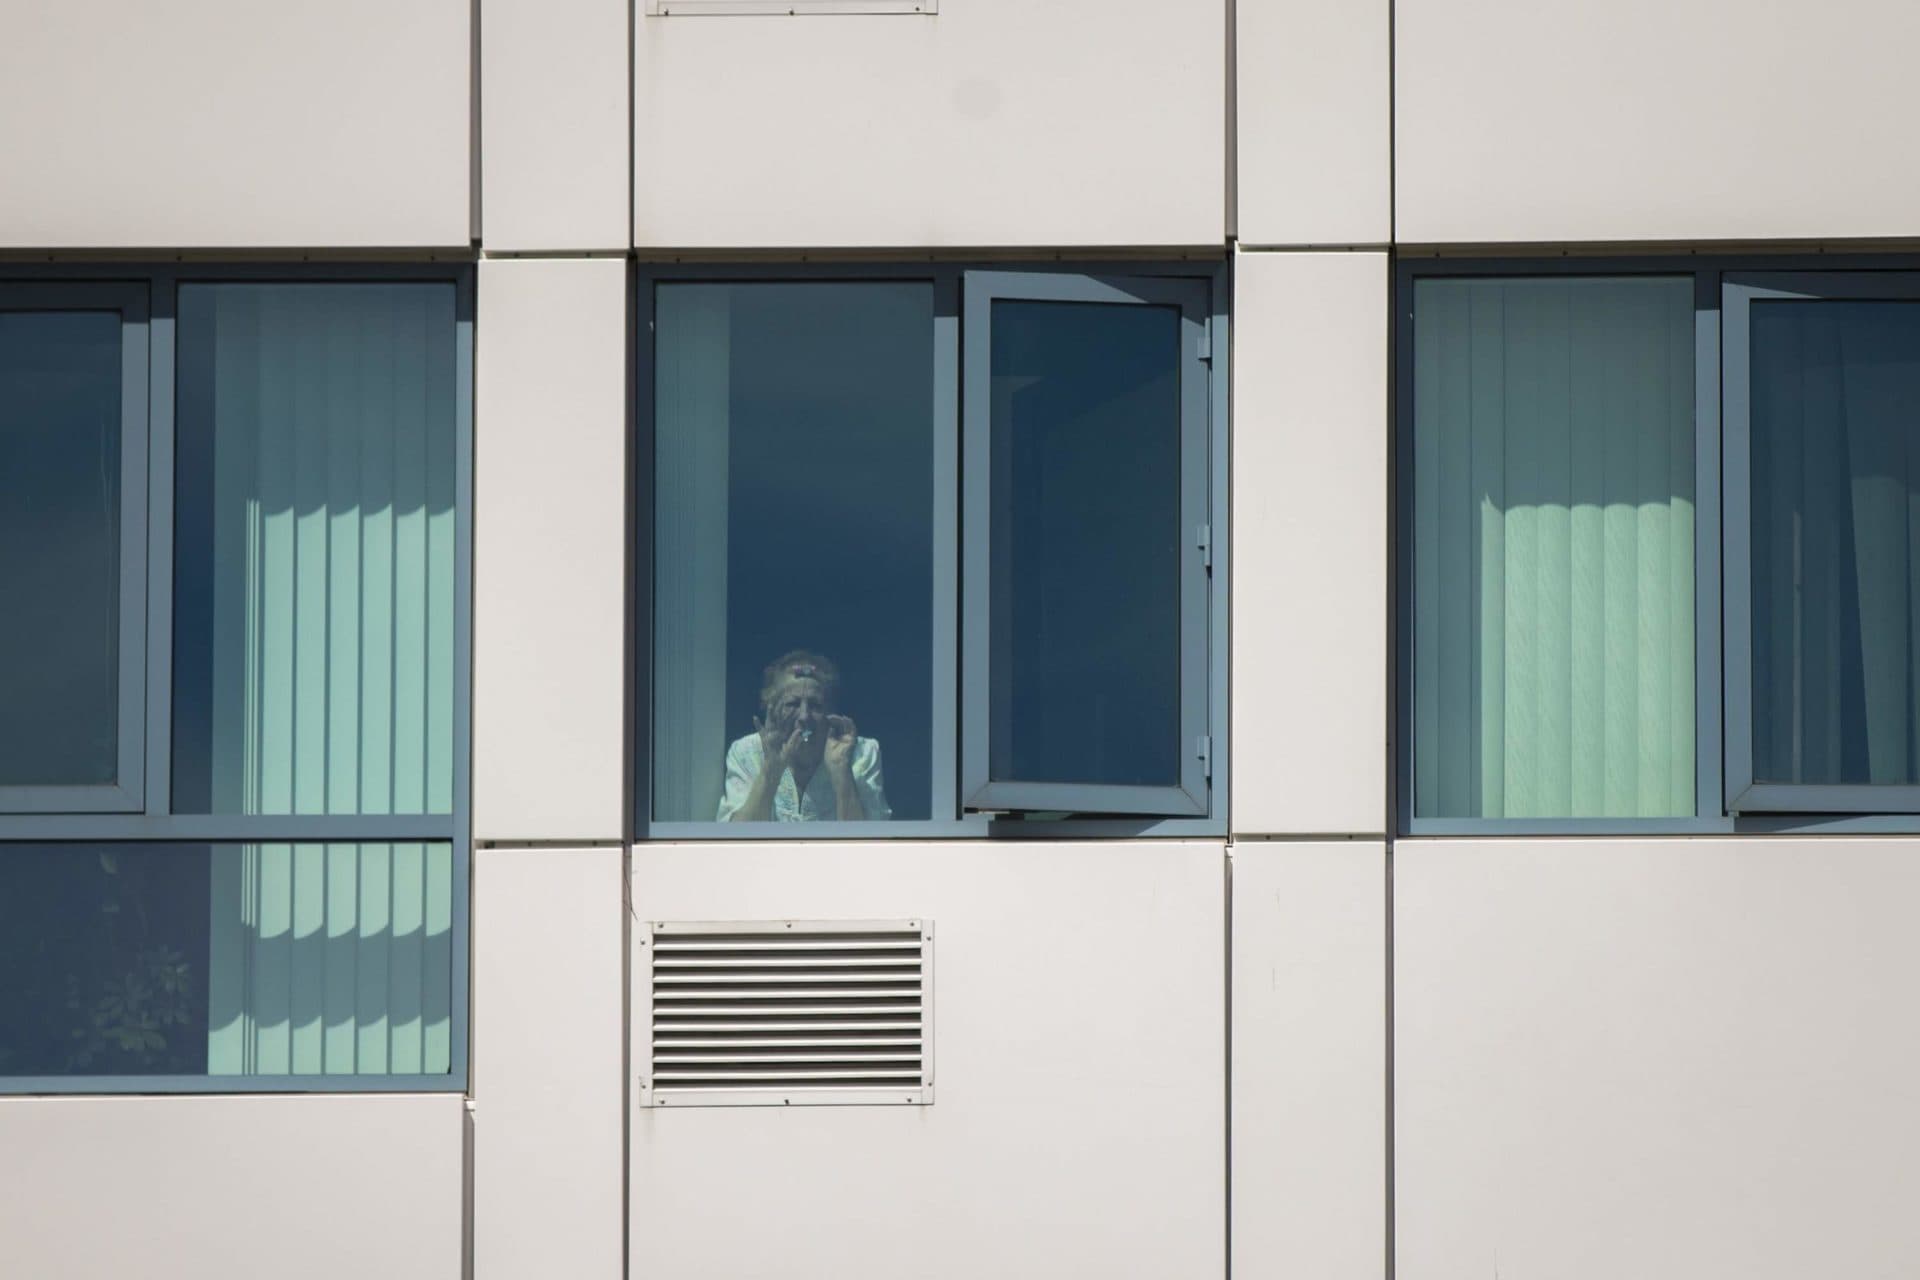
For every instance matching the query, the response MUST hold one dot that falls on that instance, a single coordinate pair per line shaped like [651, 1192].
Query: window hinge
[1203, 537]
[1206, 340]
[1204, 749]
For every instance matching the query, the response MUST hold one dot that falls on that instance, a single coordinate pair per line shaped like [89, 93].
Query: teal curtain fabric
[332, 655]
[1835, 446]
[1554, 548]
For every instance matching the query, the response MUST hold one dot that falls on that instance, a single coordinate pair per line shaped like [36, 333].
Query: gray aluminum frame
[125, 795]
[154, 823]
[950, 697]
[1721, 685]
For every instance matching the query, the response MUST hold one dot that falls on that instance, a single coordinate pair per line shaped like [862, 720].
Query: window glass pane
[1835, 440]
[239, 959]
[1553, 548]
[314, 561]
[60, 407]
[1085, 625]
[793, 496]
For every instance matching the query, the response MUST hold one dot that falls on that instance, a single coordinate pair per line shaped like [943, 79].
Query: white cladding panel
[1078, 1122]
[548, 1059]
[1656, 1057]
[1653, 120]
[1309, 1060]
[235, 124]
[996, 122]
[549, 549]
[1310, 543]
[1313, 122]
[299, 1188]
[555, 160]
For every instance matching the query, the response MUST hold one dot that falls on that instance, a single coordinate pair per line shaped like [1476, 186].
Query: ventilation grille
[788, 1012]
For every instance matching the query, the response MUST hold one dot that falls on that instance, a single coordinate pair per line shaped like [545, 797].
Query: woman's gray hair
[804, 665]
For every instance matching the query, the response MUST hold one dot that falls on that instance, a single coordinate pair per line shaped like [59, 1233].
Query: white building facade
[1377, 543]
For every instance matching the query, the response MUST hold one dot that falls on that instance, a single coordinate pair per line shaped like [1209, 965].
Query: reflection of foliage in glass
[135, 1011]
[106, 990]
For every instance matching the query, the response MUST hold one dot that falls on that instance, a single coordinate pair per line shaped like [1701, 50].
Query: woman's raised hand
[778, 739]
[839, 750]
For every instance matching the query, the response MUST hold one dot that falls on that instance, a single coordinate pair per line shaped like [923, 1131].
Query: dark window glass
[1086, 543]
[793, 552]
[1835, 441]
[60, 461]
[227, 960]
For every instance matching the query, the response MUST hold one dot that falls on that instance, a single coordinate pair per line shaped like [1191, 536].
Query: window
[73, 396]
[1089, 506]
[1571, 648]
[241, 862]
[820, 600]
[1823, 503]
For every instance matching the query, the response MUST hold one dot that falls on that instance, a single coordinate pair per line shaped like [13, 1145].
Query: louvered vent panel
[789, 1012]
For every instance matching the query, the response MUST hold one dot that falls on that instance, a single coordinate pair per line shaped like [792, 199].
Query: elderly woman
[805, 762]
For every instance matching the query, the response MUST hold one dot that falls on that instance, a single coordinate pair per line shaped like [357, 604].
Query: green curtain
[1835, 438]
[333, 602]
[1554, 548]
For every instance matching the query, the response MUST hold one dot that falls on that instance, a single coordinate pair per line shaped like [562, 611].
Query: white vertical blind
[333, 601]
[332, 584]
[1554, 548]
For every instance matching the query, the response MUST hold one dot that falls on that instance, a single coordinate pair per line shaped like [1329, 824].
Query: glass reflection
[60, 397]
[226, 960]
[1835, 440]
[1086, 543]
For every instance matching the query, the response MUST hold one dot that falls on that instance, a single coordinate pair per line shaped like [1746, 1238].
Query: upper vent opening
[788, 1012]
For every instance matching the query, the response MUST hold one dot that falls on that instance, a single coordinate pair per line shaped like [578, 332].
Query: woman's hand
[778, 740]
[841, 736]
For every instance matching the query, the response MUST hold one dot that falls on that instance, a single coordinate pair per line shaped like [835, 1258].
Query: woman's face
[801, 703]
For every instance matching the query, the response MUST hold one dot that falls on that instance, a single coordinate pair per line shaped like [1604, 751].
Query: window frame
[1740, 289]
[979, 791]
[1209, 273]
[1718, 685]
[130, 303]
[153, 822]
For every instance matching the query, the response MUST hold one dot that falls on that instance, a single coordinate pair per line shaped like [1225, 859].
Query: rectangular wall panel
[1309, 1060]
[1314, 121]
[1078, 1122]
[1653, 120]
[300, 1188]
[548, 983]
[234, 124]
[553, 124]
[992, 123]
[550, 549]
[1310, 543]
[1656, 1057]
